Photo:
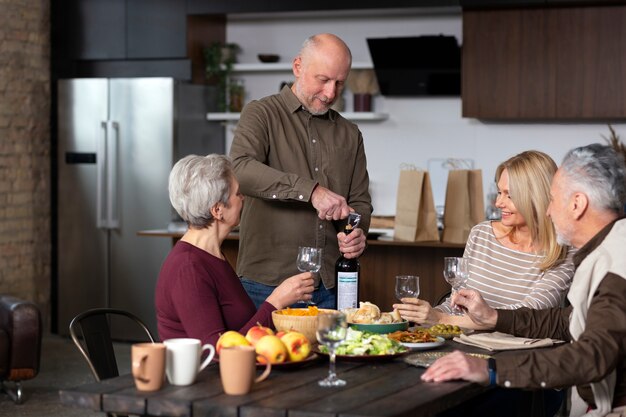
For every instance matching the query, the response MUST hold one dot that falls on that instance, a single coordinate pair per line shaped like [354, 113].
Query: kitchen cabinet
[545, 63]
[467, 4]
[121, 29]
[268, 6]
[475, 4]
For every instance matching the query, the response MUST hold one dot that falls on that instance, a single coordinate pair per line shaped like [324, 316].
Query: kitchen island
[380, 263]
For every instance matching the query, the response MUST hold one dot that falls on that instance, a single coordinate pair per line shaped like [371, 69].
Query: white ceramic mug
[183, 360]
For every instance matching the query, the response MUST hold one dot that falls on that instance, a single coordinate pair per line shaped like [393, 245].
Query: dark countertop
[372, 242]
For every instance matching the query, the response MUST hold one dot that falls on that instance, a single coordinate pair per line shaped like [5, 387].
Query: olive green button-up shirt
[280, 152]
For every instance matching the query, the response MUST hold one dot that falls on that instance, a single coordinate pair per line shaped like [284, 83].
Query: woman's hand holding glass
[308, 260]
[418, 311]
[292, 289]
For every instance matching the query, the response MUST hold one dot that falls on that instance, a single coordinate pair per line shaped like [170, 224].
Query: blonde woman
[517, 261]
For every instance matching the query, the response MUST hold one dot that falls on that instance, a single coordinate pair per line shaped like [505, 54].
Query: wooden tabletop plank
[178, 401]
[378, 385]
[278, 383]
[421, 399]
[90, 396]
[298, 397]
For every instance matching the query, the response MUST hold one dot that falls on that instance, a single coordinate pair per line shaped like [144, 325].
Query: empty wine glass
[309, 260]
[456, 272]
[331, 330]
[407, 286]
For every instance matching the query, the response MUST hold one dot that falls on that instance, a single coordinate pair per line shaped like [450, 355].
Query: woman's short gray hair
[196, 184]
[599, 172]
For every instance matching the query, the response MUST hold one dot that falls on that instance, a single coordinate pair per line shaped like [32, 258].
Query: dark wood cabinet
[474, 4]
[492, 4]
[547, 63]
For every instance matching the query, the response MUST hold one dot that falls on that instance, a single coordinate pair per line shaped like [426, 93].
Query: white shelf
[357, 116]
[283, 66]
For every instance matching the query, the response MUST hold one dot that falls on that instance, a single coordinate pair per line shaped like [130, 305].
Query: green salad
[365, 343]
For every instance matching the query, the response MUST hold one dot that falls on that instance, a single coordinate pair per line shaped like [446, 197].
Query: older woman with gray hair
[198, 293]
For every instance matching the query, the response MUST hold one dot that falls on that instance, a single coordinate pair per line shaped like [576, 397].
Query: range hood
[417, 66]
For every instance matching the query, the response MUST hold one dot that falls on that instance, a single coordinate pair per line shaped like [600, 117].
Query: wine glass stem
[331, 368]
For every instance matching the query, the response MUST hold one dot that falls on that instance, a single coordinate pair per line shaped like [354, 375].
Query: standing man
[587, 199]
[302, 168]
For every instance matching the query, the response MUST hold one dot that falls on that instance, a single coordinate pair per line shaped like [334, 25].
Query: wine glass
[456, 272]
[407, 286]
[331, 330]
[309, 260]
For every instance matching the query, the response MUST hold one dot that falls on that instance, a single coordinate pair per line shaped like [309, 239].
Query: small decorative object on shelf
[268, 57]
[363, 84]
[219, 59]
[236, 96]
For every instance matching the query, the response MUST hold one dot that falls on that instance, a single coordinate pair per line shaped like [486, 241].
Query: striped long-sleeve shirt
[510, 279]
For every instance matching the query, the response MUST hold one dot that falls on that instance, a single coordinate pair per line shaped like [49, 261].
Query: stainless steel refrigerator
[117, 141]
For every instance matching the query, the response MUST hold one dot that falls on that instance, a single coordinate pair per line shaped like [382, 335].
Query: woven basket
[306, 325]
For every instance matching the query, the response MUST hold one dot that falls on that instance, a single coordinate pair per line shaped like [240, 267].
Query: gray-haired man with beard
[587, 203]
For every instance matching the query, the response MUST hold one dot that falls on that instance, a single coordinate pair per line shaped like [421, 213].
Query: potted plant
[218, 60]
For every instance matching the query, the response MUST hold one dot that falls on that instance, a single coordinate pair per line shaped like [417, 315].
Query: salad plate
[366, 358]
[425, 345]
[366, 346]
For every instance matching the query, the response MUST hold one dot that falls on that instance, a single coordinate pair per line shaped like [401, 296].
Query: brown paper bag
[416, 218]
[464, 206]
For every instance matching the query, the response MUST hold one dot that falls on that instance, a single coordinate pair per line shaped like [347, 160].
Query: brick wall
[25, 150]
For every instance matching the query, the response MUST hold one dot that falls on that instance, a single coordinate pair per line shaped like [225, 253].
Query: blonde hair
[530, 174]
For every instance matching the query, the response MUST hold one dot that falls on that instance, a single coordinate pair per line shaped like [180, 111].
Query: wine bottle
[347, 272]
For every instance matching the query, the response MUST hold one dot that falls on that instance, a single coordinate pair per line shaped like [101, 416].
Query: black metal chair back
[93, 328]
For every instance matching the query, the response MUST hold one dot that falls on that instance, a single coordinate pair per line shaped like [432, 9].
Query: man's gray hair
[598, 171]
[196, 184]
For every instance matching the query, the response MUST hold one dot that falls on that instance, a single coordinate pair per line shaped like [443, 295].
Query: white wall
[418, 129]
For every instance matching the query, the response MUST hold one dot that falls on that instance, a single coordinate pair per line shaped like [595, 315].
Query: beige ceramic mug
[148, 365]
[238, 369]
[182, 362]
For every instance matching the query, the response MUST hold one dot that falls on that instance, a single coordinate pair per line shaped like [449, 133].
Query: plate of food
[446, 331]
[367, 358]
[417, 339]
[425, 359]
[369, 318]
[365, 346]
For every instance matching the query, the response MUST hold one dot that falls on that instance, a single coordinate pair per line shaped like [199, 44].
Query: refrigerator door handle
[113, 221]
[101, 176]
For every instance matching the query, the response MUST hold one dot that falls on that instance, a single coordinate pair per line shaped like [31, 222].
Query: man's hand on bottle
[329, 206]
[353, 244]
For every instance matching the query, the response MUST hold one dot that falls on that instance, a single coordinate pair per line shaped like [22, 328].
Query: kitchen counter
[380, 263]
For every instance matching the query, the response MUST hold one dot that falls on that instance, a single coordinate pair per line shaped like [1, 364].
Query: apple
[298, 346]
[255, 333]
[272, 348]
[230, 338]
[280, 334]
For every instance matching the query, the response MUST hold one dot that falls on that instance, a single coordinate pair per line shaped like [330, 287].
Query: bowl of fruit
[281, 348]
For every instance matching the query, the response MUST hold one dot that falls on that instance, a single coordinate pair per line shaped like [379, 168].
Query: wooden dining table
[375, 388]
